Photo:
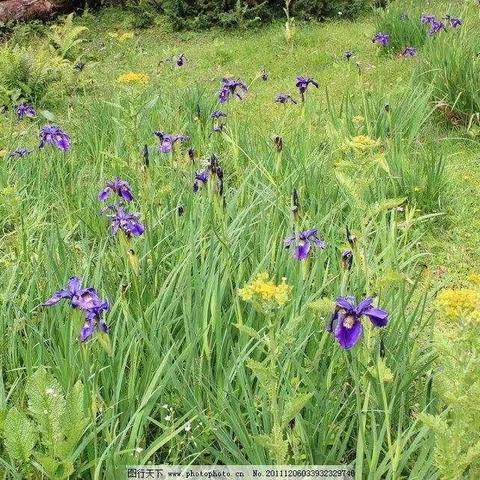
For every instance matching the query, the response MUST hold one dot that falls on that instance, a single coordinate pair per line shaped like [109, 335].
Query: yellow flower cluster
[474, 278]
[132, 77]
[121, 37]
[461, 303]
[362, 143]
[266, 293]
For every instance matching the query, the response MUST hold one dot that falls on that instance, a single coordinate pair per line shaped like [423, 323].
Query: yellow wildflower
[360, 144]
[125, 36]
[474, 278]
[459, 303]
[132, 77]
[264, 293]
[363, 143]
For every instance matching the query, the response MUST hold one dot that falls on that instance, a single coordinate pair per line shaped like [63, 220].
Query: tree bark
[14, 10]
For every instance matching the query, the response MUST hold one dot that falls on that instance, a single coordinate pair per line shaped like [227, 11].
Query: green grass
[181, 338]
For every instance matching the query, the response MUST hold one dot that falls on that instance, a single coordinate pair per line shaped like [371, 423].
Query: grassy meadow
[207, 360]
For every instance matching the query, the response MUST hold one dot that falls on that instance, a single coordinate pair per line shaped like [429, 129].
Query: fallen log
[15, 10]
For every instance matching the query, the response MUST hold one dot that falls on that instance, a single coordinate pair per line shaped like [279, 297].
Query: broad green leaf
[20, 436]
[46, 403]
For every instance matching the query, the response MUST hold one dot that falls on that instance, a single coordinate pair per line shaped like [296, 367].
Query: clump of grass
[450, 64]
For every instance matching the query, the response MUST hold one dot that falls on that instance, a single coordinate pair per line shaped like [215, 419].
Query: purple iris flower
[284, 98]
[20, 153]
[436, 26]
[85, 299]
[303, 242]
[427, 19]
[118, 186]
[53, 135]
[201, 178]
[346, 321]
[454, 22]
[181, 60]
[167, 141]
[218, 114]
[381, 38]
[25, 110]
[94, 319]
[231, 87]
[128, 222]
[302, 84]
[81, 298]
[409, 52]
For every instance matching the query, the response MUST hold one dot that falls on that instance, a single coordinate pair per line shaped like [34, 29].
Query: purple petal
[87, 330]
[166, 147]
[347, 303]
[301, 250]
[64, 143]
[56, 297]
[137, 229]
[318, 242]
[332, 324]
[377, 316]
[364, 305]
[103, 325]
[126, 194]
[104, 194]
[348, 335]
[309, 233]
[86, 299]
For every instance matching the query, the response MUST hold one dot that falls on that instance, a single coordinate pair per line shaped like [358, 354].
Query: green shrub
[317, 9]
[34, 77]
[142, 14]
[229, 13]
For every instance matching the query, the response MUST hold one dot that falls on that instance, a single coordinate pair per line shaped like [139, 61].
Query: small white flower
[165, 406]
[187, 427]
[168, 418]
[50, 391]
[138, 450]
